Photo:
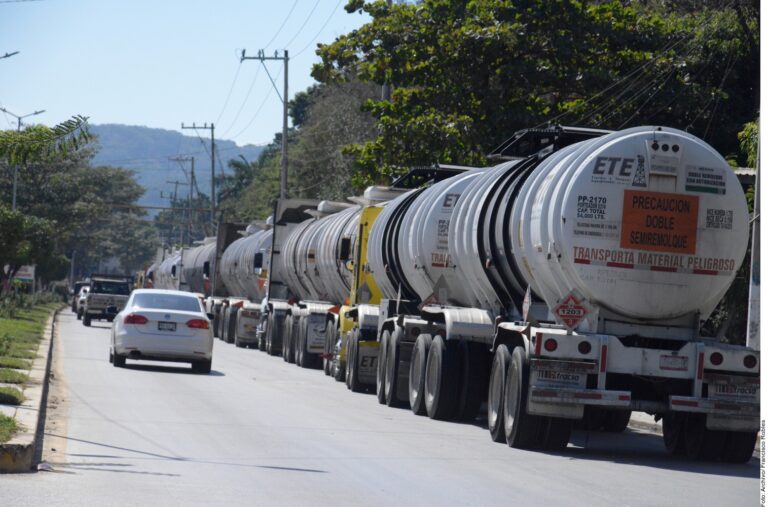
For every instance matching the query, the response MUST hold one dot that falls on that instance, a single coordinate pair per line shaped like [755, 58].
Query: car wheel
[203, 367]
[86, 320]
[118, 361]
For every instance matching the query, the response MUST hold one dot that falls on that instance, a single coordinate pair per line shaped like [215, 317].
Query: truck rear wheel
[672, 428]
[304, 358]
[701, 443]
[556, 433]
[86, 320]
[274, 335]
[616, 421]
[739, 446]
[353, 361]
[474, 379]
[497, 382]
[416, 374]
[381, 367]
[330, 345]
[441, 380]
[288, 350]
[521, 429]
[391, 373]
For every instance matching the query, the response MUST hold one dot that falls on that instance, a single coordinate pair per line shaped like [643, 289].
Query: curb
[18, 454]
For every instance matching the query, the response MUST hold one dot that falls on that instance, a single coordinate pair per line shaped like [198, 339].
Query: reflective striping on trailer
[685, 403]
[539, 339]
[700, 371]
[603, 358]
[624, 397]
[664, 269]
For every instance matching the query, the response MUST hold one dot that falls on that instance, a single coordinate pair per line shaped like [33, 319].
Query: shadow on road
[169, 369]
[153, 456]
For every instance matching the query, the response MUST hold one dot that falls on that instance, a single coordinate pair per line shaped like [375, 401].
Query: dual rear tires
[508, 418]
[687, 435]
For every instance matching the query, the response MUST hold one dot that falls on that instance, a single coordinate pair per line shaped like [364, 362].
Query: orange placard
[659, 222]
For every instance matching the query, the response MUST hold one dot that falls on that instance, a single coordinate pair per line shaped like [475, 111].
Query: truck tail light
[135, 318]
[750, 361]
[197, 324]
[550, 345]
[585, 347]
[716, 358]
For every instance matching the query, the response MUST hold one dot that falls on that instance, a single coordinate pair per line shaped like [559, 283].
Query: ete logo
[572, 310]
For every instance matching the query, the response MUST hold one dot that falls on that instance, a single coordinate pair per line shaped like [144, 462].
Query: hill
[147, 151]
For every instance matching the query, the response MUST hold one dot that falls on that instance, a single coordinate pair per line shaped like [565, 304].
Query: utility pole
[174, 200]
[15, 167]
[262, 58]
[191, 184]
[213, 167]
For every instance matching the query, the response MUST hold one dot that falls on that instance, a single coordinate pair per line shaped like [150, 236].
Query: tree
[24, 240]
[39, 142]
[468, 74]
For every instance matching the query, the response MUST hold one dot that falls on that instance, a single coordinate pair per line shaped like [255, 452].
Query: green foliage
[466, 75]
[749, 138]
[11, 396]
[7, 427]
[40, 142]
[24, 240]
[8, 376]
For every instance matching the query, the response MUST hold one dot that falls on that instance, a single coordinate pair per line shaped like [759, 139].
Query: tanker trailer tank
[309, 278]
[197, 265]
[167, 275]
[235, 262]
[591, 265]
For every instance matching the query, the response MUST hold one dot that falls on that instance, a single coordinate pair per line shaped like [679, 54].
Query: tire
[304, 358]
[416, 374]
[700, 443]
[232, 325]
[556, 433]
[111, 357]
[521, 430]
[616, 421]
[118, 361]
[391, 373]
[86, 320]
[79, 314]
[672, 429]
[381, 367]
[441, 380]
[216, 324]
[274, 335]
[473, 379]
[203, 367]
[739, 446]
[330, 345]
[288, 339]
[354, 371]
[496, 385]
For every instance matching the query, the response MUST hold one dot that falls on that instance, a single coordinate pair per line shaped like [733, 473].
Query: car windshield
[116, 288]
[167, 302]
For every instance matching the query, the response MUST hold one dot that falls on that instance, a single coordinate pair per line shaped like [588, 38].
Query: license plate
[555, 378]
[735, 391]
[166, 326]
[673, 363]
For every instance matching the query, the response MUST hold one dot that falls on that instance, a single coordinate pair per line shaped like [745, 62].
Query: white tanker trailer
[574, 279]
[243, 269]
[168, 273]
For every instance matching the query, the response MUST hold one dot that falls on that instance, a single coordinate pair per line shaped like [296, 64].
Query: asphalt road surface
[259, 431]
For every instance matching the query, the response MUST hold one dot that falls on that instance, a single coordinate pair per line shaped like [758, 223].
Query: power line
[330, 16]
[282, 24]
[255, 115]
[229, 94]
[309, 16]
[245, 100]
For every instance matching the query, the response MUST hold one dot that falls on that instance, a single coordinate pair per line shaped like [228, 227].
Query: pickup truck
[105, 294]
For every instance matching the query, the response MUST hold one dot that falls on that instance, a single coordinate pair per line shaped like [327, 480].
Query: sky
[161, 63]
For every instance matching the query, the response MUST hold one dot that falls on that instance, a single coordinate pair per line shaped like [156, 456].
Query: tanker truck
[571, 280]
[168, 274]
[243, 272]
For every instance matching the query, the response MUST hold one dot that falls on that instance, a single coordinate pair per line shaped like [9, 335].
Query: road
[259, 431]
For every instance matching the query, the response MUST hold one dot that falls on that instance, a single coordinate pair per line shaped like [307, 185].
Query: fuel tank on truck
[648, 223]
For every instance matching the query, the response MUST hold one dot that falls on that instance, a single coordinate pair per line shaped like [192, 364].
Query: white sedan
[162, 325]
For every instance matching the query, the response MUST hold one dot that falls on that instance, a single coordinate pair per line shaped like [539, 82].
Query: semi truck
[565, 283]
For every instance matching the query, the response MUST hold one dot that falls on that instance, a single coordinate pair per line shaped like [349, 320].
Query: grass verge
[12, 376]
[11, 396]
[7, 427]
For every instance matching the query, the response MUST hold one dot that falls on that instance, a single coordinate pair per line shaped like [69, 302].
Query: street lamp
[18, 129]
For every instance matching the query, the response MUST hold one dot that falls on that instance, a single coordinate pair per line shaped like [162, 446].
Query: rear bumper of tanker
[569, 372]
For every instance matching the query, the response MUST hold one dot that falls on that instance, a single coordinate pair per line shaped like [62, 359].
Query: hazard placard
[659, 222]
[572, 310]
